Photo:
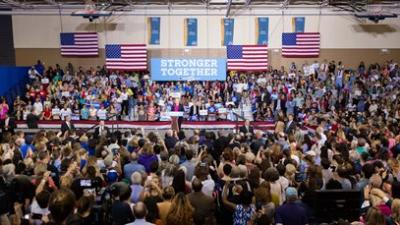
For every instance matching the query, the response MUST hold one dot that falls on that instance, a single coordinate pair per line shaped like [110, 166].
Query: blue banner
[262, 30]
[227, 29]
[15, 80]
[298, 24]
[154, 36]
[191, 32]
[188, 69]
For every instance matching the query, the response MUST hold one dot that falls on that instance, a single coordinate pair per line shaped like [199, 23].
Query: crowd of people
[250, 177]
[96, 94]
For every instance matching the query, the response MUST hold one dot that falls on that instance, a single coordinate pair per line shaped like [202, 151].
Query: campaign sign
[175, 114]
[203, 112]
[188, 69]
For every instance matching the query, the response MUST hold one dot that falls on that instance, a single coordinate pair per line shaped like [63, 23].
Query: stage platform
[148, 126]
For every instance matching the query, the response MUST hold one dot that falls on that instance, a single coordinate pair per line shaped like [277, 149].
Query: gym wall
[343, 37]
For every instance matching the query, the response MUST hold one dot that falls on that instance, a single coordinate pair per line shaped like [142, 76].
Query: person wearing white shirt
[323, 71]
[208, 184]
[55, 112]
[36, 209]
[67, 76]
[102, 113]
[124, 101]
[113, 78]
[33, 73]
[124, 96]
[113, 146]
[65, 93]
[373, 108]
[315, 67]
[292, 67]
[65, 112]
[38, 106]
[26, 112]
[306, 69]
[239, 88]
[323, 137]
[45, 80]
[261, 80]
[292, 75]
[92, 113]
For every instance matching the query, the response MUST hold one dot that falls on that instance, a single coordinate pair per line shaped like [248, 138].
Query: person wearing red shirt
[47, 113]
[32, 95]
[43, 94]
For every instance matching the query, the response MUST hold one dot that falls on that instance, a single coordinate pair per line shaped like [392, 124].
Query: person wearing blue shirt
[40, 67]
[84, 113]
[128, 83]
[290, 105]
[25, 148]
[106, 103]
[133, 166]
[361, 105]
[339, 79]
[212, 112]
[292, 212]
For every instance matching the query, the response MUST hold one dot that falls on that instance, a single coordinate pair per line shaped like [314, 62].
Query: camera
[115, 151]
[86, 183]
[298, 177]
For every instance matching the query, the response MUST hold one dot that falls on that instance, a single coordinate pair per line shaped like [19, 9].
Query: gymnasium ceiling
[345, 5]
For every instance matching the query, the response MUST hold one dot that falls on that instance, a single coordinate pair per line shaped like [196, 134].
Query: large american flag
[305, 45]
[79, 44]
[126, 57]
[247, 57]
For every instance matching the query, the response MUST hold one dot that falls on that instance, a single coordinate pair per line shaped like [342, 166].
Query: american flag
[126, 57]
[300, 45]
[79, 44]
[247, 57]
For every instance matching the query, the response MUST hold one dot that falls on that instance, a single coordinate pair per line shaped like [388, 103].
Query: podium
[176, 120]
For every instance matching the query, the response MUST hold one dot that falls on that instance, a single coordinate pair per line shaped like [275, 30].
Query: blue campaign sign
[299, 24]
[188, 69]
[228, 31]
[154, 30]
[262, 23]
[191, 35]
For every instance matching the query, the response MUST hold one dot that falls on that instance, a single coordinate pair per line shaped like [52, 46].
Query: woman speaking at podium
[177, 120]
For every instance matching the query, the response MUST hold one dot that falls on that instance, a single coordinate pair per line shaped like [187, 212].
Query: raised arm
[225, 200]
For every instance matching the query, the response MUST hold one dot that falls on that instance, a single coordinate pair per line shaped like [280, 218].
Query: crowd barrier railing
[87, 125]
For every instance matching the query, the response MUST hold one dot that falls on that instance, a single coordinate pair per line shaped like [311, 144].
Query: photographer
[90, 184]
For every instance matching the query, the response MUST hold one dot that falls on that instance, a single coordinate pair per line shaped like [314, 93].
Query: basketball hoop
[376, 13]
[375, 9]
[90, 7]
[90, 12]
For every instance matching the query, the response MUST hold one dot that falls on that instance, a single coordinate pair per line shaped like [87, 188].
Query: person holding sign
[222, 113]
[177, 121]
[203, 112]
